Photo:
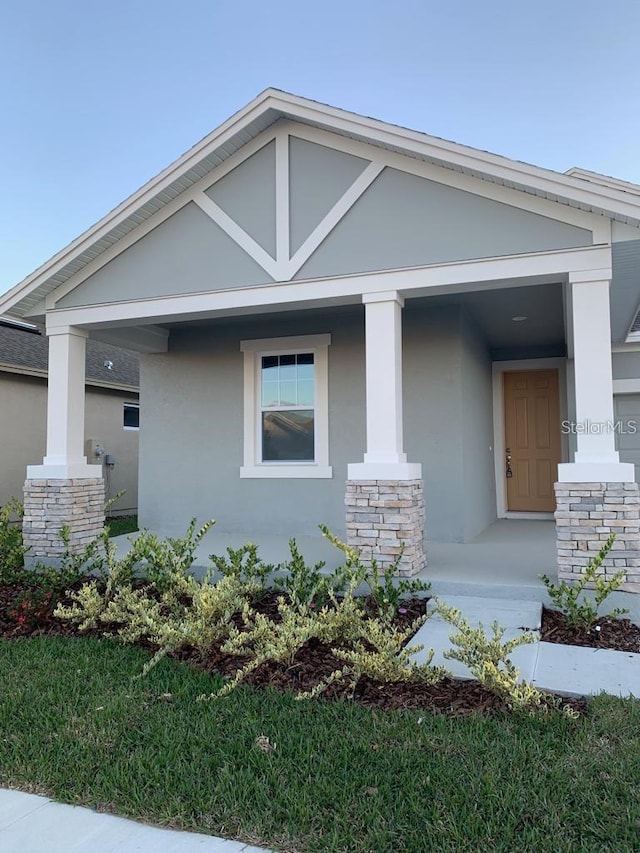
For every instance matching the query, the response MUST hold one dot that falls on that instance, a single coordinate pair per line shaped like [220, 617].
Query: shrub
[488, 659]
[12, 549]
[308, 585]
[244, 564]
[381, 653]
[386, 590]
[582, 613]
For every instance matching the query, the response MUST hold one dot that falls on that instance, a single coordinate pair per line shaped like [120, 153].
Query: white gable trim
[337, 212]
[596, 197]
[282, 202]
[283, 267]
[238, 235]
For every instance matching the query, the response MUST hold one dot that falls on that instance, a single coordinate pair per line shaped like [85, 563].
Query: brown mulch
[606, 633]
[311, 664]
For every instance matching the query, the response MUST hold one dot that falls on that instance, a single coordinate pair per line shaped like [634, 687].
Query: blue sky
[97, 98]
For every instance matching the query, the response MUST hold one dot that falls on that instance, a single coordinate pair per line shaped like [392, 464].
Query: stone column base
[385, 518]
[49, 505]
[586, 515]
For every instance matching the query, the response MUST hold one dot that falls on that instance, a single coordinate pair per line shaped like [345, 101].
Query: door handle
[508, 472]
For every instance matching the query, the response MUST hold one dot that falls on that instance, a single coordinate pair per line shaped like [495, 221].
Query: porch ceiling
[493, 311]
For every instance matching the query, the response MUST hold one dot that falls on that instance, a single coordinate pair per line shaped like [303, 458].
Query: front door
[532, 439]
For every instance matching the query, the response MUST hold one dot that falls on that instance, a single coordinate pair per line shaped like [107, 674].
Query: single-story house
[111, 407]
[340, 320]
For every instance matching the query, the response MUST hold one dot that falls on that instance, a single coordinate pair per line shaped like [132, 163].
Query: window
[131, 416]
[286, 407]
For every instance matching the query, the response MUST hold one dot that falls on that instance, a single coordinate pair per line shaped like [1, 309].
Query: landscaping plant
[487, 658]
[386, 590]
[12, 549]
[243, 563]
[580, 612]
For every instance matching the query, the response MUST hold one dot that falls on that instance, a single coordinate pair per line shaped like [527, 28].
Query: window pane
[269, 361]
[287, 436]
[305, 358]
[287, 359]
[305, 392]
[305, 371]
[270, 394]
[288, 396]
[270, 374]
[287, 373]
[131, 416]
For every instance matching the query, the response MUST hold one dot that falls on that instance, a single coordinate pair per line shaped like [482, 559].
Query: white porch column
[596, 459]
[596, 495]
[65, 409]
[384, 498]
[64, 491]
[384, 457]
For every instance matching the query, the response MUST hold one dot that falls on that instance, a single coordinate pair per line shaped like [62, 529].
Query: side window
[131, 416]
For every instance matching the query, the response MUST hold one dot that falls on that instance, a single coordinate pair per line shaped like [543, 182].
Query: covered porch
[505, 561]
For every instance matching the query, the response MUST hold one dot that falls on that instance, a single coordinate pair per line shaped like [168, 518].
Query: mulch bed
[619, 634]
[24, 614]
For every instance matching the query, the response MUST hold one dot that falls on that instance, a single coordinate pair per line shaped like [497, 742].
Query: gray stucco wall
[247, 194]
[192, 427]
[479, 485]
[23, 429]
[192, 432]
[188, 253]
[432, 414]
[318, 178]
[404, 221]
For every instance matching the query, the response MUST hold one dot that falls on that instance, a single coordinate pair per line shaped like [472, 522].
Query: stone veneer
[385, 518]
[586, 515]
[51, 504]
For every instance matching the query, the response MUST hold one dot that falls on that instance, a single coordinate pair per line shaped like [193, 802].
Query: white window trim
[253, 351]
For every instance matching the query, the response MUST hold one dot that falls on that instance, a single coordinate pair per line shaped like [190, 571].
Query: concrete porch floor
[509, 553]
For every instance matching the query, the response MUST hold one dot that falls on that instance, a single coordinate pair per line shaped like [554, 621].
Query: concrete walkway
[32, 824]
[567, 670]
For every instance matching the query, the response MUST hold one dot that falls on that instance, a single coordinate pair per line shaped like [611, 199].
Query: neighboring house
[330, 308]
[111, 403]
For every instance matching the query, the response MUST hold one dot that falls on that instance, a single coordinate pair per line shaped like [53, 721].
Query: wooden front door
[532, 439]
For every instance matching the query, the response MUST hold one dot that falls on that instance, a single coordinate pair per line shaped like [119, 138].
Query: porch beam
[436, 278]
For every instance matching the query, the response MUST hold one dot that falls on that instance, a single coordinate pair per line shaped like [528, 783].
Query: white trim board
[626, 386]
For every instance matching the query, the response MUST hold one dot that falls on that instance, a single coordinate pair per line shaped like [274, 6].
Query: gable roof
[577, 188]
[25, 349]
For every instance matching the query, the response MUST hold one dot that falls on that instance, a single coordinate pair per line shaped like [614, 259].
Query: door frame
[498, 369]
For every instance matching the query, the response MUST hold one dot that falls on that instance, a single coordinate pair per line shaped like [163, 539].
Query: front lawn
[77, 723]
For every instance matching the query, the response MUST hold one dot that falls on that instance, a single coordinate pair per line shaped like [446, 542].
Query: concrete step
[515, 616]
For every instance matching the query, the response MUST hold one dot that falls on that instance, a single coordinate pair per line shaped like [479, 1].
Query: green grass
[120, 526]
[76, 723]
